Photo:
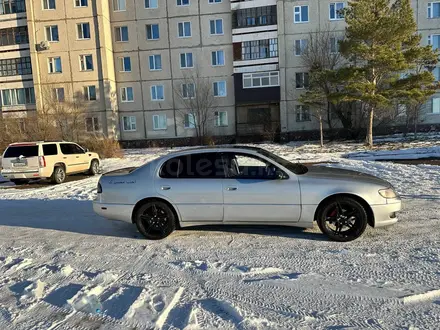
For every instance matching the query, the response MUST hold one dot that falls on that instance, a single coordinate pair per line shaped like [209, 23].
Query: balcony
[254, 17]
[8, 7]
[256, 52]
[14, 36]
[240, 4]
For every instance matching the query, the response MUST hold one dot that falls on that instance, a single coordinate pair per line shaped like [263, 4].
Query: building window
[160, 122]
[214, 1]
[189, 121]
[301, 14]
[302, 113]
[127, 94]
[83, 31]
[155, 62]
[12, 7]
[302, 80]
[18, 96]
[434, 41]
[221, 119]
[92, 125]
[216, 26]
[152, 31]
[183, 2]
[54, 64]
[218, 58]
[90, 93]
[436, 73]
[433, 9]
[119, 5]
[219, 88]
[14, 36]
[125, 64]
[188, 91]
[81, 3]
[121, 34]
[157, 93]
[58, 94]
[264, 79]
[435, 105]
[184, 29]
[150, 4]
[186, 60]
[86, 62]
[256, 49]
[300, 45]
[334, 45]
[336, 11]
[129, 123]
[52, 33]
[15, 66]
[49, 4]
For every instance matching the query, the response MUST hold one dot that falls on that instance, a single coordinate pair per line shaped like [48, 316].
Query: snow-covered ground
[54, 251]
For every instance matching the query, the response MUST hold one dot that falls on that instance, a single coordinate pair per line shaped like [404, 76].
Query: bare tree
[196, 94]
[320, 56]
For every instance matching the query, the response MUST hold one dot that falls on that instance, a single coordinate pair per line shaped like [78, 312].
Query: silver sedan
[242, 185]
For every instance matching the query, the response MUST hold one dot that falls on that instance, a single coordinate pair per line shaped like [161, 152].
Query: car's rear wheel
[94, 168]
[19, 182]
[58, 175]
[342, 219]
[155, 220]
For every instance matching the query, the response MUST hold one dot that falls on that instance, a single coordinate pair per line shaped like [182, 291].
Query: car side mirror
[86, 150]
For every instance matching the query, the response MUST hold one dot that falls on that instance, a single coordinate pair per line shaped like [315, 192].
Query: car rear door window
[50, 150]
[195, 166]
[66, 148]
[25, 151]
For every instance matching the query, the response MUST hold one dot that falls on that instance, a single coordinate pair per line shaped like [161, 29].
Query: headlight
[387, 193]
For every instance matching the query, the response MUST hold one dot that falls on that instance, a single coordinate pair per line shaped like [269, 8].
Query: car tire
[342, 219]
[94, 168]
[19, 182]
[58, 175]
[155, 220]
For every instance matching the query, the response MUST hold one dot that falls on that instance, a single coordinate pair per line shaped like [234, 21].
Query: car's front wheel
[155, 220]
[94, 168]
[342, 219]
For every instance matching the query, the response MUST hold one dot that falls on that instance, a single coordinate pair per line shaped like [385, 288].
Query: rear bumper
[30, 174]
[119, 212]
[385, 215]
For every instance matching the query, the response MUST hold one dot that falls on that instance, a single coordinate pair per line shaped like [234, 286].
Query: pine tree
[381, 44]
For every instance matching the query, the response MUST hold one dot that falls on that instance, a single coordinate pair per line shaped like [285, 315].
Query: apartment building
[130, 60]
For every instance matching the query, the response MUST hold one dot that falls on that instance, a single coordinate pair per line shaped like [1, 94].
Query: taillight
[99, 188]
[42, 161]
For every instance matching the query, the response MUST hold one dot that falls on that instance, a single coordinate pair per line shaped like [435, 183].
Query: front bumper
[121, 212]
[385, 215]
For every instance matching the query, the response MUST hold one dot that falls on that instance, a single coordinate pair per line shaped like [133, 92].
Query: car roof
[218, 148]
[34, 143]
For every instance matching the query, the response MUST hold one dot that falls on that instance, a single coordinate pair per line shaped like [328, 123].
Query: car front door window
[241, 166]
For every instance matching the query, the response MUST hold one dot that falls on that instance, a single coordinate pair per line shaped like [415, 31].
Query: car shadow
[77, 216]
[262, 230]
[73, 216]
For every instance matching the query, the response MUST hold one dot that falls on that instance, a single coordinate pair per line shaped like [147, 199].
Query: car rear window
[50, 149]
[17, 151]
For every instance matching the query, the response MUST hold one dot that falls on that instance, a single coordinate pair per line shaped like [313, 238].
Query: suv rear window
[17, 151]
[50, 149]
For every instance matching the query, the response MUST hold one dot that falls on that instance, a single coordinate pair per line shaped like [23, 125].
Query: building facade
[132, 61]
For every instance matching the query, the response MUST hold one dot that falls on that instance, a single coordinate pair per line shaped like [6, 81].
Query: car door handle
[165, 187]
[64, 157]
[77, 156]
[231, 188]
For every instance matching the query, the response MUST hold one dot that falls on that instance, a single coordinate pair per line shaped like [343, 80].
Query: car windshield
[295, 168]
[17, 151]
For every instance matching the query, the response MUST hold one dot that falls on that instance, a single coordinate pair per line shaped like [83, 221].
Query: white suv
[22, 162]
